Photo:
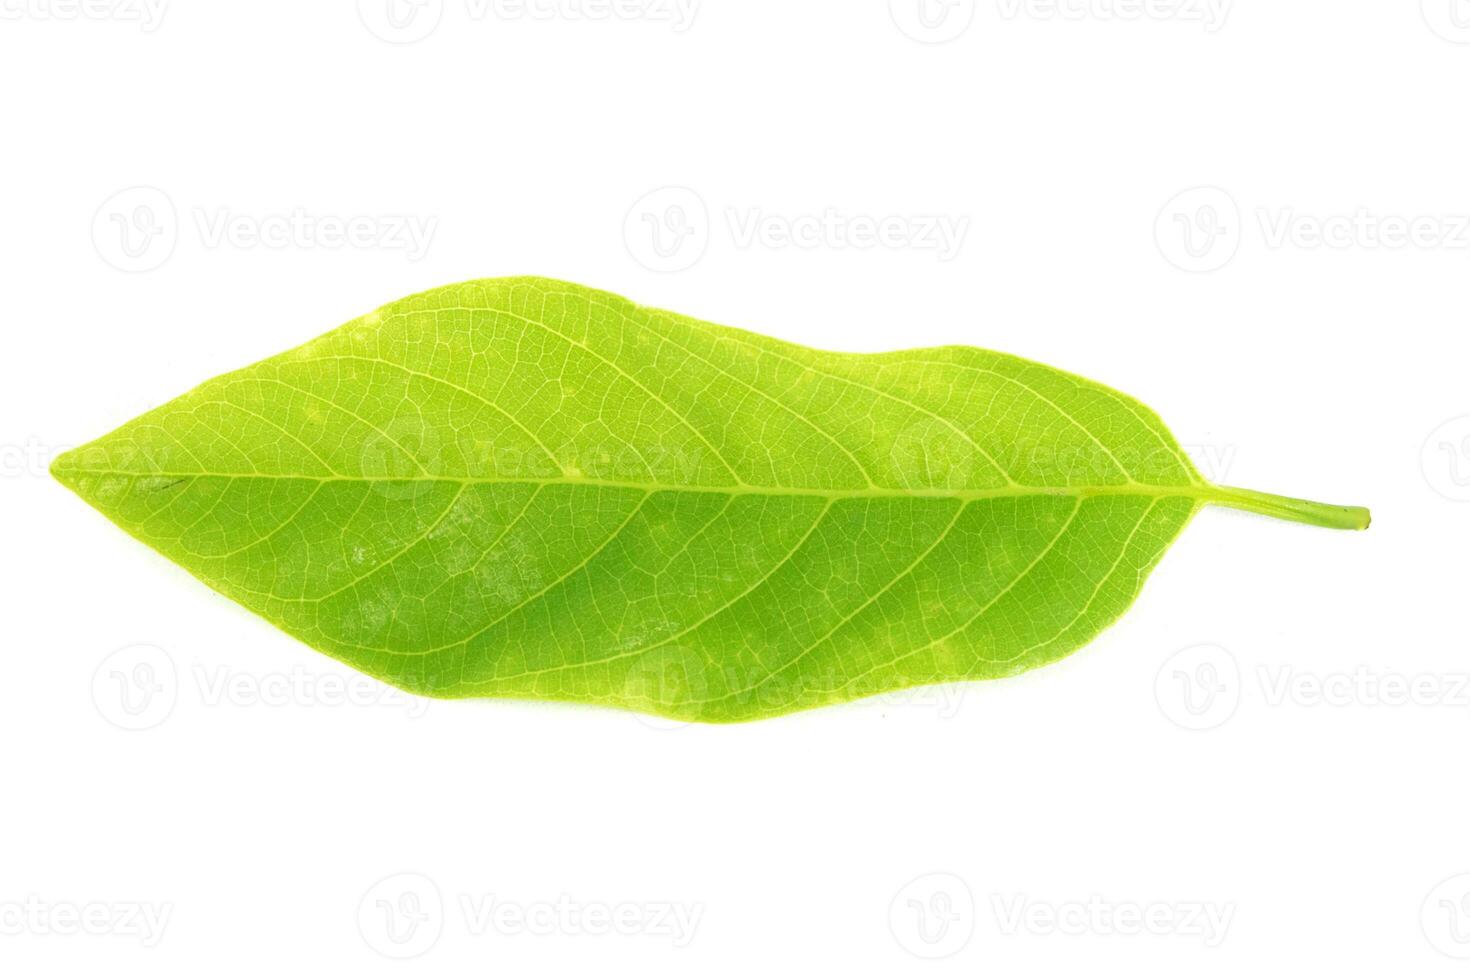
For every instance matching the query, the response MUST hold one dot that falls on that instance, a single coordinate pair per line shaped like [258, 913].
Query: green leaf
[526, 488]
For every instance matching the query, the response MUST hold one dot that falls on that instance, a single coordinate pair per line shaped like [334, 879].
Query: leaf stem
[1290, 508]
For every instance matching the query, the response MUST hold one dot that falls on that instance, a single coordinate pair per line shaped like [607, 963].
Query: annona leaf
[526, 488]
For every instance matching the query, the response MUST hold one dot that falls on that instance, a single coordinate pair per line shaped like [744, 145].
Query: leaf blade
[525, 488]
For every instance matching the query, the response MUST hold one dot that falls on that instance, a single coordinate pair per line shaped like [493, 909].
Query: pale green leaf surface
[527, 488]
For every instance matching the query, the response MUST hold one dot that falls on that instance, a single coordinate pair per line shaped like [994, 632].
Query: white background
[1239, 746]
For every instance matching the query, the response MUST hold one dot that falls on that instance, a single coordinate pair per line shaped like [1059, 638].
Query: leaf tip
[64, 469]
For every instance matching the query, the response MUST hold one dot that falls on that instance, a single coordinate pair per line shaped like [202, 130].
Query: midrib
[1203, 492]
